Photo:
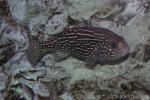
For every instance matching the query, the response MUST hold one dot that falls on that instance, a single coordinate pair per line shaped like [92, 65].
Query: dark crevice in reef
[146, 57]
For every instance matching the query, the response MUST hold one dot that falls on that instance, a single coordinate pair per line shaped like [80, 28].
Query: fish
[93, 45]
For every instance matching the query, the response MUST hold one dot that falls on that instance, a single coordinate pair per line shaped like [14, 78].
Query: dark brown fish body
[91, 44]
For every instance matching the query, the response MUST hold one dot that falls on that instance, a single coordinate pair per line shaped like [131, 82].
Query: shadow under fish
[90, 44]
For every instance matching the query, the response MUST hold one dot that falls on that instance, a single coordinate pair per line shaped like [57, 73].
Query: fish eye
[114, 45]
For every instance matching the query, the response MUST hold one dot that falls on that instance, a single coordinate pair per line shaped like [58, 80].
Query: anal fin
[60, 55]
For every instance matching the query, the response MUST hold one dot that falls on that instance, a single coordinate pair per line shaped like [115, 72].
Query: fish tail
[35, 51]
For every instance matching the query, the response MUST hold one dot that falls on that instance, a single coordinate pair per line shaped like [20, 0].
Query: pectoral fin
[91, 63]
[92, 60]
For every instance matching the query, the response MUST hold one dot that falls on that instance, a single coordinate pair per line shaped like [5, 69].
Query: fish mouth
[123, 54]
[124, 51]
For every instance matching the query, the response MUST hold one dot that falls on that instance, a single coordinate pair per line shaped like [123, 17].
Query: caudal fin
[35, 52]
